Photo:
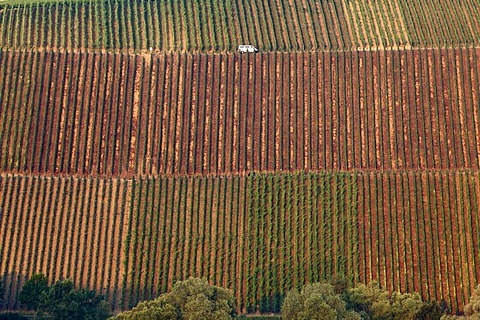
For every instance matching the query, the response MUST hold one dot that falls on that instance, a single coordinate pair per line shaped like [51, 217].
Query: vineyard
[137, 148]
[177, 114]
[258, 235]
[220, 25]
[171, 227]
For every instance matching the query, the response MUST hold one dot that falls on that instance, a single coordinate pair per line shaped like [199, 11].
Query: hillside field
[180, 114]
[258, 234]
[138, 148]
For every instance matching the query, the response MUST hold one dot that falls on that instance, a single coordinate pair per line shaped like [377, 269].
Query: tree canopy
[377, 304]
[316, 301]
[62, 300]
[331, 301]
[32, 291]
[192, 299]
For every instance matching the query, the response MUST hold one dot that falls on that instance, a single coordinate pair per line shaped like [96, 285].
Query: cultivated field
[259, 234]
[349, 145]
[221, 25]
[419, 231]
[128, 115]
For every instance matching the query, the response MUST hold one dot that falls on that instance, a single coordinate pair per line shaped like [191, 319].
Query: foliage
[32, 290]
[374, 303]
[340, 284]
[335, 300]
[190, 299]
[473, 307]
[431, 310]
[316, 301]
[63, 301]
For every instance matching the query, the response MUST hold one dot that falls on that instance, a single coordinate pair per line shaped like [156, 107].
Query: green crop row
[219, 25]
[276, 233]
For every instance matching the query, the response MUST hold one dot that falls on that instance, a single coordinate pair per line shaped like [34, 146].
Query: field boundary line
[239, 174]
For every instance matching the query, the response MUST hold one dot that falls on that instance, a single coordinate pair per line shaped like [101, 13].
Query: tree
[32, 290]
[335, 300]
[63, 301]
[431, 310]
[374, 303]
[316, 301]
[472, 308]
[190, 299]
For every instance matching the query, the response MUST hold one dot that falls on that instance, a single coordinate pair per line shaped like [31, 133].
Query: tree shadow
[12, 285]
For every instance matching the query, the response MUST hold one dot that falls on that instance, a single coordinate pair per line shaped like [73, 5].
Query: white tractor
[246, 48]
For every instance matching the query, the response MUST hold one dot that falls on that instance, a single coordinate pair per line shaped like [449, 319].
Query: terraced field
[220, 25]
[348, 145]
[175, 114]
[258, 235]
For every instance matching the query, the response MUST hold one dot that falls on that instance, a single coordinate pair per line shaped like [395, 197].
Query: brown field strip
[209, 121]
[59, 227]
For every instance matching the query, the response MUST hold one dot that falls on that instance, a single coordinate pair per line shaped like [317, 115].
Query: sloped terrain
[349, 145]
